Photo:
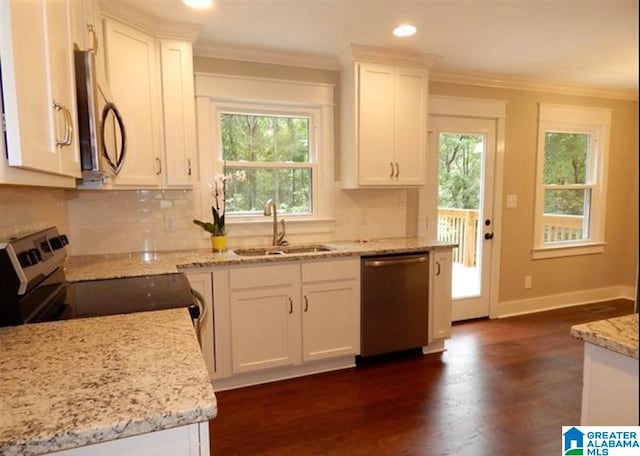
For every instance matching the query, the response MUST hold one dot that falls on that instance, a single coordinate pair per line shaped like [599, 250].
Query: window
[275, 153]
[279, 135]
[570, 196]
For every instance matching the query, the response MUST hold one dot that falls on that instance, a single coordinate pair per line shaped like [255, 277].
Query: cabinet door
[179, 112]
[62, 84]
[410, 125]
[34, 36]
[265, 328]
[202, 283]
[132, 75]
[441, 295]
[375, 125]
[330, 319]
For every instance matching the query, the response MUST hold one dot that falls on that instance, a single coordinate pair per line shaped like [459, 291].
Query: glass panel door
[465, 148]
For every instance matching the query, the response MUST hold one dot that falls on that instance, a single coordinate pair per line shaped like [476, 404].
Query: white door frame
[428, 195]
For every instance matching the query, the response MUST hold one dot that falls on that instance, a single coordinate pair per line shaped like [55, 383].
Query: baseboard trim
[283, 373]
[558, 301]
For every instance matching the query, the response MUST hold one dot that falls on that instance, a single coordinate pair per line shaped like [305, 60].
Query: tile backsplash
[100, 222]
[24, 210]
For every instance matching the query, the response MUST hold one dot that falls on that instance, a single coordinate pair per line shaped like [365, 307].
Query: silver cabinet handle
[306, 304]
[391, 164]
[438, 265]
[94, 38]
[382, 263]
[189, 166]
[69, 129]
[68, 125]
[397, 170]
[60, 108]
[290, 305]
[159, 162]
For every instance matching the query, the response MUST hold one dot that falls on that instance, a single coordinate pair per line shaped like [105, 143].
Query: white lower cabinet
[277, 318]
[330, 309]
[190, 440]
[440, 294]
[265, 328]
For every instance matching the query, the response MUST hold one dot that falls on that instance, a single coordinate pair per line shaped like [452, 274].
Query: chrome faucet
[270, 209]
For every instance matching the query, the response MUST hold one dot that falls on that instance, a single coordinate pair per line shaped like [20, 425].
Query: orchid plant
[217, 189]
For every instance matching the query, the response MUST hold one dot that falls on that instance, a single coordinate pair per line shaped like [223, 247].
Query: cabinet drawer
[331, 270]
[264, 276]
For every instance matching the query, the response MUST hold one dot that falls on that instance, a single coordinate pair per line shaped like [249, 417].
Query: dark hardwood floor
[503, 387]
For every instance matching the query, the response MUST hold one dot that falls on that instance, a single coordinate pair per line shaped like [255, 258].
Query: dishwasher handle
[394, 262]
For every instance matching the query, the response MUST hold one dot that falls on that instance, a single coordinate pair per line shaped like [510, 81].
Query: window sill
[568, 250]
[262, 226]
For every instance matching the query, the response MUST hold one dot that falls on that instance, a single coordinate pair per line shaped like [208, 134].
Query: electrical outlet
[512, 201]
[169, 224]
[528, 282]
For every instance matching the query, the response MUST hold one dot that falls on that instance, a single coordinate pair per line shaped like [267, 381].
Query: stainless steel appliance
[33, 287]
[394, 303]
[98, 117]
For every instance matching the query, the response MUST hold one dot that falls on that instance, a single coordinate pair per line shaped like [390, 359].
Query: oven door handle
[202, 306]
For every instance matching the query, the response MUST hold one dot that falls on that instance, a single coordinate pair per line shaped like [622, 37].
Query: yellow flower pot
[219, 243]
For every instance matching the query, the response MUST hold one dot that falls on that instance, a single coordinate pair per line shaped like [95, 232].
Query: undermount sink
[281, 250]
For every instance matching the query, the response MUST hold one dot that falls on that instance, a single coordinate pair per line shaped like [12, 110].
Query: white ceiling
[590, 43]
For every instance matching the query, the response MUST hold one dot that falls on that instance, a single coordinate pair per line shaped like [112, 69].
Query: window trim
[277, 96]
[595, 122]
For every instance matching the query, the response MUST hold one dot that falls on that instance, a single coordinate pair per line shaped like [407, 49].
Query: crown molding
[360, 52]
[116, 9]
[502, 82]
[264, 55]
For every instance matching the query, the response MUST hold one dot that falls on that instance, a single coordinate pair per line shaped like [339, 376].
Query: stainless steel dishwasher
[394, 303]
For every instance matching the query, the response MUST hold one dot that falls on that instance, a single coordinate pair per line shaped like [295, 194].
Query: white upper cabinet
[384, 118]
[131, 68]
[150, 80]
[38, 87]
[179, 112]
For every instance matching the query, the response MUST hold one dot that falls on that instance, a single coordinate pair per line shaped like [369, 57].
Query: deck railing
[459, 226]
[562, 227]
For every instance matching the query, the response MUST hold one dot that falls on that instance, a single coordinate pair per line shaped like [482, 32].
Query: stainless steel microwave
[101, 128]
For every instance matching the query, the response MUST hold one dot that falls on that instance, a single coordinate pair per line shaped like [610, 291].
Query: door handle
[392, 170]
[306, 304]
[397, 170]
[159, 162]
[189, 166]
[438, 271]
[290, 305]
[488, 236]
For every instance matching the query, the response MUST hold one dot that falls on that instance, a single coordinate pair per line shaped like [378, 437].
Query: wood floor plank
[503, 387]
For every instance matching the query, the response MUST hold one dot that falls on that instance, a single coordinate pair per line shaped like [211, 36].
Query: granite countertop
[77, 382]
[618, 334]
[94, 267]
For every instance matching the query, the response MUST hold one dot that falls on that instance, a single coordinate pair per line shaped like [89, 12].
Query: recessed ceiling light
[405, 30]
[198, 4]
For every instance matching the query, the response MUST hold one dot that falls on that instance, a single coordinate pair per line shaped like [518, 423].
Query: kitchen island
[133, 381]
[610, 378]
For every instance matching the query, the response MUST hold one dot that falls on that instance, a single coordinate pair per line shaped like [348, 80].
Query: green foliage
[565, 163]
[460, 171]
[267, 139]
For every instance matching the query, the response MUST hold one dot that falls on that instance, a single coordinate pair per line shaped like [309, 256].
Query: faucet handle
[281, 240]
